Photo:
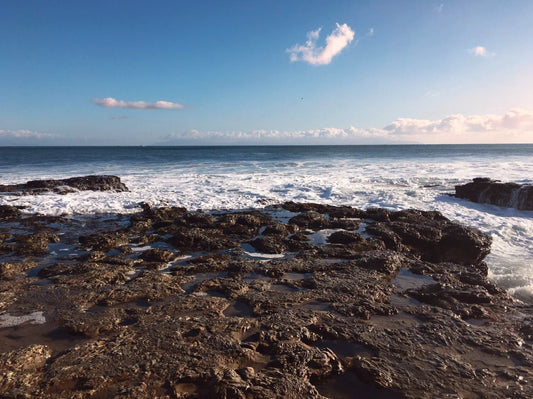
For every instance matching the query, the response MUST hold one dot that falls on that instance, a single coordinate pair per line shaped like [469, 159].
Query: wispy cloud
[110, 102]
[439, 7]
[335, 43]
[480, 51]
[25, 134]
[514, 126]
[370, 32]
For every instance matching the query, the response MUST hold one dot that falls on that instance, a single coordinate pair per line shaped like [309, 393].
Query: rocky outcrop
[64, 186]
[487, 191]
[172, 303]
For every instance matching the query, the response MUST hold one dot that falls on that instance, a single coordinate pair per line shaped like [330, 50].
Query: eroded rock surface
[335, 303]
[488, 191]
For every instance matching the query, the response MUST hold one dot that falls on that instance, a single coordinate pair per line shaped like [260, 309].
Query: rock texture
[487, 191]
[64, 186]
[169, 303]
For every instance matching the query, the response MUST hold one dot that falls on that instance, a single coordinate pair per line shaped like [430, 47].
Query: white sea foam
[390, 183]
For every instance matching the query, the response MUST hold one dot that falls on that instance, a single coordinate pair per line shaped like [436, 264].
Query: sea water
[213, 178]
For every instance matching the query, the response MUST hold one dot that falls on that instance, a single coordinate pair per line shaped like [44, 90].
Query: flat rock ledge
[487, 191]
[292, 301]
[65, 186]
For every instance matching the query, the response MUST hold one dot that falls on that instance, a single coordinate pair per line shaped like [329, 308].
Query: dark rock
[271, 244]
[487, 191]
[310, 219]
[344, 237]
[9, 212]
[157, 255]
[64, 186]
[34, 244]
[104, 241]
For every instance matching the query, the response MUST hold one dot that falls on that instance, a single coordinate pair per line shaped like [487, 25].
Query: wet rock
[9, 212]
[10, 271]
[311, 220]
[64, 186]
[197, 239]
[344, 237]
[323, 321]
[104, 241]
[34, 244]
[270, 244]
[157, 255]
[487, 191]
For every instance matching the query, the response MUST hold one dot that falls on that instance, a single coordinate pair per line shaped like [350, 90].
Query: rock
[402, 310]
[64, 186]
[344, 237]
[487, 191]
[310, 219]
[104, 241]
[9, 212]
[270, 244]
[34, 244]
[157, 255]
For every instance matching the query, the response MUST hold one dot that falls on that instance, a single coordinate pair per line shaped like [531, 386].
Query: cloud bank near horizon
[25, 134]
[110, 102]
[335, 43]
[515, 126]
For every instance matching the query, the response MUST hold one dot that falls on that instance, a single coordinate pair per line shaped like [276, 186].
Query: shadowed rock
[487, 191]
[64, 186]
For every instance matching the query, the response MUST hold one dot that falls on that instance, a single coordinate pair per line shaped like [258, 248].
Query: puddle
[406, 280]
[316, 306]
[250, 252]
[399, 321]
[282, 288]
[199, 278]
[238, 309]
[344, 348]
[293, 276]
[477, 322]
[49, 334]
[7, 320]
[350, 386]
[249, 277]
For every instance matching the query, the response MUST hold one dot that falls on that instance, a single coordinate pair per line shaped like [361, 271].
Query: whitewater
[234, 178]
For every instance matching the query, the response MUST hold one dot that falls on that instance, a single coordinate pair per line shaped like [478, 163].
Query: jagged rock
[488, 191]
[64, 186]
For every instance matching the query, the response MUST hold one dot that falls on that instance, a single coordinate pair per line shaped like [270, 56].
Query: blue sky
[276, 72]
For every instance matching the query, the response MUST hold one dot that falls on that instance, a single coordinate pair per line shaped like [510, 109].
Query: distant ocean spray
[210, 178]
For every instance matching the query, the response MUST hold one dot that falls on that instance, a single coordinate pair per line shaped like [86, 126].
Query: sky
[265, 72]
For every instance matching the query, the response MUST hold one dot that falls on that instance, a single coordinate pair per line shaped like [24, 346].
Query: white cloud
[110, 102]
[335, 43]
[370, 32]
[439, 7]
[25, 134]
[480, 51]
[515, 126]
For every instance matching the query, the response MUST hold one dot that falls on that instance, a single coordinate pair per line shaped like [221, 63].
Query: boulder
[487, 191]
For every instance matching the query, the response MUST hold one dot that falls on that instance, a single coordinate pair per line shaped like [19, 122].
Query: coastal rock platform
[293, 301]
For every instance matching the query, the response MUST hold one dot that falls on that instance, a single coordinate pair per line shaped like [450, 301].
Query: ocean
[232, 178]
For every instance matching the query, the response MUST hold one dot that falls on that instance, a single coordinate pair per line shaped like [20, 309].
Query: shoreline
[300, 300]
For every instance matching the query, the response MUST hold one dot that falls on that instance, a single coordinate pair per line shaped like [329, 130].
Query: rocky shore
[293, 301]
